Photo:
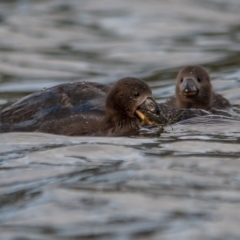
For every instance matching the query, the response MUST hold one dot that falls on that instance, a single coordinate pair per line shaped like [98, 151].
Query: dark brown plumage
[82, 109]
[88, 95]
[194, 90]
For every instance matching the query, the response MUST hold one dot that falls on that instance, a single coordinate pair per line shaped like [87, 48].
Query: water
[181, 185]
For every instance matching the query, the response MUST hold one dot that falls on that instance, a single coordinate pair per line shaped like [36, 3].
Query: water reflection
[181, 185]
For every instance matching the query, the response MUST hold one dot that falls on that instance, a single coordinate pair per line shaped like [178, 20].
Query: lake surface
[184, 184]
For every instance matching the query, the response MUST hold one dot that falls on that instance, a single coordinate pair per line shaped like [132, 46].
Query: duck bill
[189, 88]
[149, 112]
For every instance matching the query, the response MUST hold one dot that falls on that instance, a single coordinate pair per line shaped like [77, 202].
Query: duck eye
[136, 94]
[199, 79]
[181, 80]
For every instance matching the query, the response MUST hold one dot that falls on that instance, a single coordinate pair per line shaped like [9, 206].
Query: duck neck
[118, 126]
[195, 103]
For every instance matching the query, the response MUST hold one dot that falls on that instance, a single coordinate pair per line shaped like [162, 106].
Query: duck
[194, 90]
[85, 108]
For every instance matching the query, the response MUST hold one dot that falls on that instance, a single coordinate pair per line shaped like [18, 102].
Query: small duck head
[193, 88]
[129, 99]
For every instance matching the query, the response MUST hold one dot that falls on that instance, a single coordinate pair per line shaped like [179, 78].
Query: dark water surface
[182, 185]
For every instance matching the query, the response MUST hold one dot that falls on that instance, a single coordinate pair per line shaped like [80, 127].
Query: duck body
[194, 90]
[67, 97]
[81, 108]
[175, 115]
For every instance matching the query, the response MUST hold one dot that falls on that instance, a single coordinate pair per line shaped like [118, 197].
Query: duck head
[193, 88]
[129, 100]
